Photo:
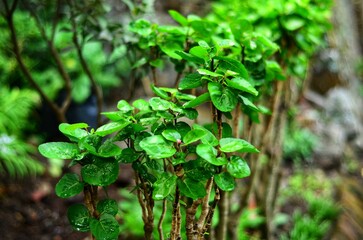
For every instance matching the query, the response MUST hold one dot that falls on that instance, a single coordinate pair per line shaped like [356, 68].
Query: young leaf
[223, 98]
[193, 136]
[178, 18]
[60, 150]
[200, 52]
[160, 93]
[225, 181]
[209, 138]
[156, 147]
[233, 65]
[74, 131]
[171, 135]
[249, 104]
[208, 73]
[124, 106]
[242, 84]
[102, 172]
[79, 217]
[108, 206]
[141, 104]
[106, 227]
[238, 167]
[191, 188]
[207, 152]
[198, 101]
[191, 81]
[236, 144]
[68, 186]
[159, 104]
[112, 127]
[190, 58]
[164, 186]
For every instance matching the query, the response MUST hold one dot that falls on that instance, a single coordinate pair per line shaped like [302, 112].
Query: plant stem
[160, 224]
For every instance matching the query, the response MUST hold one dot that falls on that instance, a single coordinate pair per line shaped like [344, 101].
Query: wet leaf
[60, 150]
[157, 147]
[68, 186]
[225, 181]
[238, 167]
[108, 206]
[106, 228]
[79, 217]
[223, 98]
[164, 186]
[235, 144]
[102, 172]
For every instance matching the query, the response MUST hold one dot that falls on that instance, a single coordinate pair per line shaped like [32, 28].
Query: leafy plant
[187, 164]
[15, 152]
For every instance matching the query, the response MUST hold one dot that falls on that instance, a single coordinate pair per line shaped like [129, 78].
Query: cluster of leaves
[298, 27]
[15, 152]
[170, 156]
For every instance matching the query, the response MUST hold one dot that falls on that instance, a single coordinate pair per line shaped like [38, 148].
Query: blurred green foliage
[15, 153]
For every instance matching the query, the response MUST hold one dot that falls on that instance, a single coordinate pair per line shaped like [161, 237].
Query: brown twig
[9, 11]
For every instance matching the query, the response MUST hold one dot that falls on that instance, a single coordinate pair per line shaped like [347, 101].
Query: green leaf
[109, 149]
[128, 155]
[106, 228]
[190, 58]
[156, 147]
[68, 186]
[79, 217]
[208, 73]
[141, 104]
[164, 186]
[178, 17]
[114, 116]
[193, 136]
[233, 65]
[171, 135]
[172, 49]
[223, 98]
[74, 131]
[124, 106]
[160, 93]
[200, 52]
[191, 188]
[141, 27]
[209, 138]
[225, 181]
[207, 152]
[249, 104]
[102, 172]
[184, 97]
[190, 113]
[235, 144]
[191, 81]
[159, 104]
[111, 127]
[242, 84]
[197, 101]
[90, 143]
[225, 43]
[238, 167]
[108, 206]
[293, 23]
[204, 44]
[60, 150]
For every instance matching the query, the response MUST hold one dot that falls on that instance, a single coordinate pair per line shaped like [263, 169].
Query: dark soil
[30, 210]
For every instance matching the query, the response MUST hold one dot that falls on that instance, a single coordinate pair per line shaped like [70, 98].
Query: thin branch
[9, 18]
[162, 217]
[96, 88]
[60, 66]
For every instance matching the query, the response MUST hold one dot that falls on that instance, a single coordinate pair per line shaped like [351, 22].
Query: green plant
[298, 144]
[317, 193]
[188, 164]
[15, 153]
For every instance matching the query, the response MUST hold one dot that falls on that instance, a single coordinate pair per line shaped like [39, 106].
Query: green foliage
[15, 153]
[316, 192]
[298, 144]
